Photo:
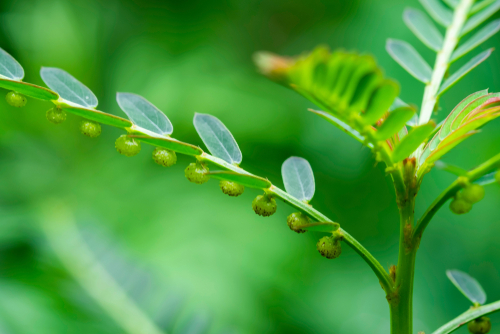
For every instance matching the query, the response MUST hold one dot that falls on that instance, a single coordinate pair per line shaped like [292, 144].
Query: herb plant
[354, 96]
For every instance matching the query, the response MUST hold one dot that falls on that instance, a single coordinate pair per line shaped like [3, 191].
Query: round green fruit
[480, 325]
[460, 206]
[164, 157]
[196, 172]
[127, 146]
[329, 247]
[15, 99]
[297, 219]
[56, 115]
[231, 188]
[473, 193]
[264, 205]
[90, 129]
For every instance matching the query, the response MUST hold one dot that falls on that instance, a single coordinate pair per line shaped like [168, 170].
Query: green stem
[467, 316]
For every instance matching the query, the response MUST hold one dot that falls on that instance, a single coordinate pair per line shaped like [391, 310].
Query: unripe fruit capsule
[56, 115]
[472, 193]
[164, 157]
[15, 99]
[297, 219]
[127, 146]
[90, 129]
[329, 247]
[479, 326]
[264, 205]
[231, 188]
[197, 173]
[459, 206]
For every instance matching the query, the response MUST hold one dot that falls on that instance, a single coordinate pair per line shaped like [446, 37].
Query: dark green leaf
[412, 141]
[394, 122]
[9, 67]
[217, 138]
[246, 180]
[381, 101]
[298, 178]
[452, 3]
[462, 71]
[28, 89]
[423, 28]
[96, 115]
[481, 36]
[168, 143]
[467, 285]
[480, 17]
[438, 11]
[406, 56]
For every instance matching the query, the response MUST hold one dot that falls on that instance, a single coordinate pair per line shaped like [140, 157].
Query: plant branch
[471, 314]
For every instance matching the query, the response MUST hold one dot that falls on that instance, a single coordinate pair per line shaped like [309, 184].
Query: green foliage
[479, 326]
[467, 285]
[423, 28]
[298, 178]
[15, 99]
[231, 188]
[264, 205]
[90, 129]
[164, 157]
[409, 58]
[127, 146]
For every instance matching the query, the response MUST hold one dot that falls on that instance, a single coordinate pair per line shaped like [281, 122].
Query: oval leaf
[380, 102]
[246, 180]
[406, 56]
[394, 122]
[298, 178]
[144, 114]
[28, 89]
[327, 227]
[219, 141]
[480, 17]
[9, 67]
[481, 36]
[412, 141]
[439, 12]
[423, 28]
[468, 285]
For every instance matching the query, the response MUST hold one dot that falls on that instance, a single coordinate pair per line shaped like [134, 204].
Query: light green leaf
[412, 141]
[462, 71]
[450, 168]
[406, 56]
[487, 179]
[452, 3]
[298, 178]
[96, 115]
[168, 143]
[480, 17]
[28, 89]
[246, 180]
[423, 28]
[9, 67]
[481, 36]
[398, 103]
[480, 5]
[219, 141]
[381, 102]
[394, 122]
[468, 285]
[68, 87]
[439, 12]
[144, 114]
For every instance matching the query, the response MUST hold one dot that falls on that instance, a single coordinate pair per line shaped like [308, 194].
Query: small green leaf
[28, 89]
[452, 3]
[168, 143]
[439, 12]
[68, 87]
[450, 168]
[406, 56]
[467, 285]
[219, 141]
[9, 67]
[144, 114]
[327, 227]
[246, 180]
[96, 115]
[481, 36]
[487, 179]
[398, 103]
[382, 99]
[423, 28]
[394, 122]
[480, 5]
[298, 178]
[464, 70]
[480, 17]
[412, 141]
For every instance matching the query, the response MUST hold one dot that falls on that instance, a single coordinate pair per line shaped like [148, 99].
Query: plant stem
[442, 63]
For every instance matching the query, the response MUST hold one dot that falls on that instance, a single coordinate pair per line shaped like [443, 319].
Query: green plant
[355, 97]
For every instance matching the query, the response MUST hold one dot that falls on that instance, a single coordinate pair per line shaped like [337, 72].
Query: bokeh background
[192, 259]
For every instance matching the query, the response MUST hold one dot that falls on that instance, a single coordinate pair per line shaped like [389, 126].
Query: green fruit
[472, 193]
[164, 157]
[231, 188]
[460, 206]
[15, 99]
[297, 219]
[264, 205]
[56, 115]
[196, 172]
[90, 129]
[127, 146]
[329, 247]
[480, 325]
[497, 177]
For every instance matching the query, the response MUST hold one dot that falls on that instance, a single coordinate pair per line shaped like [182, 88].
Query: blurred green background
[194, 260]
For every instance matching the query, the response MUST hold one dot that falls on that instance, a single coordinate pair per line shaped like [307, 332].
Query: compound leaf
[382, 99]
[9, 67]
[298, 178]
[96, 115]
[467, 285]
[423, 28]
[28, 89]
[480, 5]
[452, 3]
[68, 87]
[412, 141]
[439, 12]
[480, 17]
[481, 36]
[219, 141]
[394, 122]
[406, 56]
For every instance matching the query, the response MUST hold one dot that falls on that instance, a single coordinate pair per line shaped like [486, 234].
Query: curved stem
[467, 316]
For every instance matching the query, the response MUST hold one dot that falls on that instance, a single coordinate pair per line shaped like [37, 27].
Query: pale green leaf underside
[246, 180]
[478, 18]
[68, 87]
[394, 123]
[9, 67]
[144, 114]
[480, 5]
[452, 3]
[468, 285]
[219, 141]
[477, 39]
[406, 56]
[298, 178]
[423, 28]
[462, 71]
[450, 168]
[29, 89]
[487, 179]
[439, 12]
